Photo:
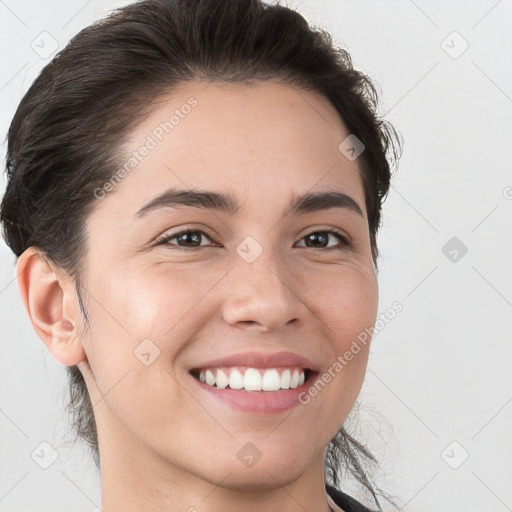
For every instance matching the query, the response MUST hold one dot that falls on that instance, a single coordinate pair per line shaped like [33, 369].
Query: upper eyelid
[185, 230]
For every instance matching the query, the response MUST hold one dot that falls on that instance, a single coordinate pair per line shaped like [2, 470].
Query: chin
[261, 477]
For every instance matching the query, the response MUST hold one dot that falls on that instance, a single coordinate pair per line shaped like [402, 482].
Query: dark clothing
[346, 502]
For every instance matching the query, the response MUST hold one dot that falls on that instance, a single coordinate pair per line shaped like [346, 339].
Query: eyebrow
[308, 202]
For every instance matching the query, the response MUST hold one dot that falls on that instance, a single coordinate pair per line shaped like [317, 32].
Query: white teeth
[210, 378]
[253, 379]
[294, 382]
[236, 380]
[221, 380]
[285, 379]
[271, 381]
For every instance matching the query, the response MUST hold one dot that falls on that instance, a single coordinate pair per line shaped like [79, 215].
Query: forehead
[258, 141]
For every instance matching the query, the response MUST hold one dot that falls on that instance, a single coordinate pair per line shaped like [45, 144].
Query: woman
[194, 193]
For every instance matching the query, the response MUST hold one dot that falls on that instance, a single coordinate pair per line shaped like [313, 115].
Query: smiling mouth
[253, 379]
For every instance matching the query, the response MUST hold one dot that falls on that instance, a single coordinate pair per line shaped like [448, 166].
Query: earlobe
[49, 306]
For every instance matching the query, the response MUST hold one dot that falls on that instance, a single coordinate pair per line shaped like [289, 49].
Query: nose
[263, 296]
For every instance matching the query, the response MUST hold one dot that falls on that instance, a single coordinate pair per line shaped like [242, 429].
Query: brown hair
[64, 139]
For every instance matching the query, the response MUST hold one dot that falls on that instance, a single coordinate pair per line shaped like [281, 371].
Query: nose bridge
[260, 289]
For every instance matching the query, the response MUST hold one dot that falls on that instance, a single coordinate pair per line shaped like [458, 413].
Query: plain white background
[436, 404]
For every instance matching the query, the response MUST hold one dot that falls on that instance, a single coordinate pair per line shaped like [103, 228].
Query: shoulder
[346, 502]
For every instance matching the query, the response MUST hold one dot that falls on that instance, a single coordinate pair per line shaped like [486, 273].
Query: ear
[49, 304]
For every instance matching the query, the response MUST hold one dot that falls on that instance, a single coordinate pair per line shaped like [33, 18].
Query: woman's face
[259, 281]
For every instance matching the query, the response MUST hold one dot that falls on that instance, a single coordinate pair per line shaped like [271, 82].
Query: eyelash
[163, 240]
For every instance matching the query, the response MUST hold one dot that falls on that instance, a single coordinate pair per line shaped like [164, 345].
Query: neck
[137, 479]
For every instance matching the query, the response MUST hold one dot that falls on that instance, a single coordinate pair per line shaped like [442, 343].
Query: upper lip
[255, 359]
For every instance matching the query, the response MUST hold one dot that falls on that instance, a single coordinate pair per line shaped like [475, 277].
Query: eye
[320, 240]
[188, 239]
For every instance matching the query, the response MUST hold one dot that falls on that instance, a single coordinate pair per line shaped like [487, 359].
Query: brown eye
[188, 239]
[321, 239]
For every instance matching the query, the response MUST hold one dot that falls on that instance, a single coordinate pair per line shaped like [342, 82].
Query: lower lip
[260, 402]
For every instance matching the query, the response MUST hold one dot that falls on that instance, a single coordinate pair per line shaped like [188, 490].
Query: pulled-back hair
[66, 135]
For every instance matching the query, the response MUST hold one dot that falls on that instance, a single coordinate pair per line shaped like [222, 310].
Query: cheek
[156, 304]
[139, 321]
[346, 301]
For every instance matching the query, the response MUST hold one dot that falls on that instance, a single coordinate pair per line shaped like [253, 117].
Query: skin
[163, 445]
